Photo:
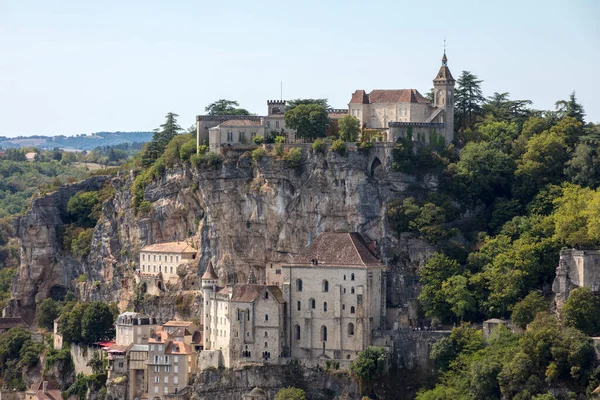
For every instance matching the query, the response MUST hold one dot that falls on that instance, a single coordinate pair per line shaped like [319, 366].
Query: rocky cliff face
[242, 216]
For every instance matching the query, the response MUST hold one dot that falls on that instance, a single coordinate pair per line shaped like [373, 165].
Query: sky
[72, 67]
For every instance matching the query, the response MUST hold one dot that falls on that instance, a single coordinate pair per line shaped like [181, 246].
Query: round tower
[209, 284]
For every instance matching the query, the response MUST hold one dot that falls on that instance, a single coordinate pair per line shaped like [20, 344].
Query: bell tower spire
[443, 85]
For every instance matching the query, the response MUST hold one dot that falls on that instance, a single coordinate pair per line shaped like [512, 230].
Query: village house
[133, 328]
[159, 262]
[43, 391]
[171, 362]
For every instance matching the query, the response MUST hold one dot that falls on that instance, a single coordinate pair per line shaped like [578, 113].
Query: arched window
[313, 303]
[325, 306]
[143, 268]
[323, 333]
[266, 344]
[299, 305]
[344, 276]
[266, 334]
[352, 290]
[143, 257]
[351, 277]
[352, 310]
[325, 286]
[350, 329]
[299, 285]
[267, 295]
[297, 332]
[266, 317]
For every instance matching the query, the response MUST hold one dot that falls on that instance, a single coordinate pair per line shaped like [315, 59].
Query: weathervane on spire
[444, 58]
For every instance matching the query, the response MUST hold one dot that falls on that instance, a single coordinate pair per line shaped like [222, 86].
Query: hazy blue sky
[69, 67]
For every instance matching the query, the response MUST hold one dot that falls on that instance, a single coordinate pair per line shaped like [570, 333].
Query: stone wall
[576, 268]
[81, 355]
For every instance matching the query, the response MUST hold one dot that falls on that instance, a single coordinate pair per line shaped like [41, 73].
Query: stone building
[161, 260]
[407, 113]
[242, 322]
[234, 132]
[576, 268]
[133, 328]
[43, 391]
[171, 363]
[335, 291]
[137, 382]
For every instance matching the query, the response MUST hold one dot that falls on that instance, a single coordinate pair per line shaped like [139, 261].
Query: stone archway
[376, 167]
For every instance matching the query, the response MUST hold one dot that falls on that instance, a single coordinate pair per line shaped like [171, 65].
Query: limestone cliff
[243, 216]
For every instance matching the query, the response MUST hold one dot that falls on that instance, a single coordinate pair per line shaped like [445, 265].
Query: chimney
[45, 386]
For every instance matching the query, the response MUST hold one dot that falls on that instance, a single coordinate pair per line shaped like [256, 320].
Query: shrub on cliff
[293, 158]
[290, 393]
[338, 146]
[258, 154]
[319, 146]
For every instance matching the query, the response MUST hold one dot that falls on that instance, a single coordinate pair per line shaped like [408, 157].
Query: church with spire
[407, 113]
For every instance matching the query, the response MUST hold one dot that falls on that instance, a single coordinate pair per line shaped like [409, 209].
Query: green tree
[369, 366]
[584, 166]
[469, 99]
[437, 269]
[291, 104]
[47, 312]
[97, 323]
[80, 207]
[309, 120]
[349, 128]
[570, 108]
[225, 107]
[290, 393]
[582, 311]
[524, 311]
[501, 107]
[443, 352]
[459, 296]
[161, 138]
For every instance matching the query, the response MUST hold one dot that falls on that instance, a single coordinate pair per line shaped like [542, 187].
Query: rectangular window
[155, 359]
[155, 389]
[160, 347]
[167, 368]
[171, 258]
[175, 360]
[157, 379]
[242, 137]
[151, 347]
[276, 124]
[155, 257]
[176, 380]
[166, 379]
[159, 258]
[229, 136]
[156, 368]
[143, 257]
[171, 269]
[277, 272]
[166, 389]
[166, 359]
[268, 124]
[176, 369]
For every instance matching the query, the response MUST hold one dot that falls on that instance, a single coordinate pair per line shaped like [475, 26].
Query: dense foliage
[88, 322]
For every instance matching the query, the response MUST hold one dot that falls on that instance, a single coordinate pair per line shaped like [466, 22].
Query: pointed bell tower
[443, 85]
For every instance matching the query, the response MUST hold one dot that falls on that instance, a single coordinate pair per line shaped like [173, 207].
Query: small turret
[209, 279]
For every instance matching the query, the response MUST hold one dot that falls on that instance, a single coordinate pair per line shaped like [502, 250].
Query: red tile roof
[339, 250]
[388, 96]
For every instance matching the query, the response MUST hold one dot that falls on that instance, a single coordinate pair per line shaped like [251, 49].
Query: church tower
[443, 98]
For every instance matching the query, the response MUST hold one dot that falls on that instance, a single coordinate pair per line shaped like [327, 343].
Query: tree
[161, 138]
[290, 393]
[349, 128]
[455, 290]
[97, 323]
[309, 120]
[225, 107]
[524, 311]
[570, 108]
[584, 166]
[437, 270]
[582, 311]
[47, 312]
[80, 207]
[291, 104]
[369, 366]
[468, 99]
[500, 107]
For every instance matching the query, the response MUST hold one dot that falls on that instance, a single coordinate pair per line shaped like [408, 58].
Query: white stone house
[161, 260]
[133, 328]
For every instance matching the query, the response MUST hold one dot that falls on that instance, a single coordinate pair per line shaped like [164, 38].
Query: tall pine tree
[160, 139]
[469, 100]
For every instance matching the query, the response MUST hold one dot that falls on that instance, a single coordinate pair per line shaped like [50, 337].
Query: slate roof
[170, 247]
[248, 292]
[444, 75]
[388, 96]
[210, 272]
[347, 249]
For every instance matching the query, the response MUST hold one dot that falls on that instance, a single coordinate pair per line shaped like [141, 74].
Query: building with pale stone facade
[407, 113]
[160, 260]
[324, 304]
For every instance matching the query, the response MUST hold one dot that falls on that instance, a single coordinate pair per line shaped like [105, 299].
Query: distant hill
[79, 142]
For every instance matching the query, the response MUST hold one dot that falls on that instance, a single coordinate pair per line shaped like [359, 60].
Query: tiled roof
[178, 348]
[241, 122]
[444, 75]
[184, 324]
[139, 347]
[170, 247]
[158, 336]
[388, 96]
[359, 97]
[338, 249]
[248, 292]
[210, 272]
